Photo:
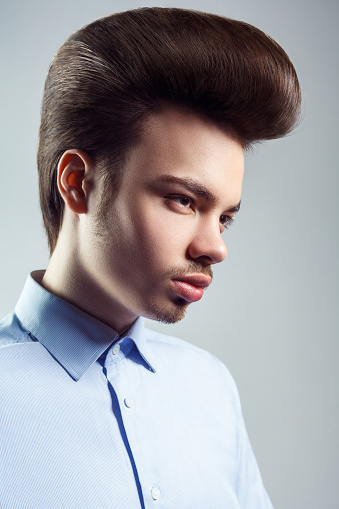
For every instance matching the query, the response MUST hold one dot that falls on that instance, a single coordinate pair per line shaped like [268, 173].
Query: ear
[73, 169]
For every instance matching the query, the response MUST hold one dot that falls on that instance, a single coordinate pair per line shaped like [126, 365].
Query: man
[145, 118]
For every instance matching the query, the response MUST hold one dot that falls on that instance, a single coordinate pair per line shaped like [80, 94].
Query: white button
[116, 349]
[155, 493]
[128, 402]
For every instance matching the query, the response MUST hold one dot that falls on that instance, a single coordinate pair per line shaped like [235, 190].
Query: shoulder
[18, 355]
[177, 345]
[193, 359]
[12, 332]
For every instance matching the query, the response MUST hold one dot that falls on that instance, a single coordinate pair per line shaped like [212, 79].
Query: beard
[174, 309]
[172, 314]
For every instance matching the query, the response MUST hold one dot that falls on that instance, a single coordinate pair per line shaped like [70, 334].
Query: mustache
[191, 268]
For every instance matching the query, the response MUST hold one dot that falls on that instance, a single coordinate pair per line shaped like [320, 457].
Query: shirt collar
[74, 338]
[137, 334]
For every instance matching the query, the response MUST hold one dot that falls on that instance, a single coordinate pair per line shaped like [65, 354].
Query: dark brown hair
[109, 76]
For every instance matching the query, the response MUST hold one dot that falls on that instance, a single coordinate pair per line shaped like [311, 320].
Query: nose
[208, 247]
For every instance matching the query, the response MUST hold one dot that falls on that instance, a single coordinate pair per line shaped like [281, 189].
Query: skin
[180, 189]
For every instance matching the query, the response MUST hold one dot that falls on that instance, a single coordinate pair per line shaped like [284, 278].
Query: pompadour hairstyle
[109, 76]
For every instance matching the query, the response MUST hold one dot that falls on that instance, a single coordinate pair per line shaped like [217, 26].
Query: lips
[191, 288]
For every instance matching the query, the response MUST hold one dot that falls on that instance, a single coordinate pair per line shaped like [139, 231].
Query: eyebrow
[198, 189]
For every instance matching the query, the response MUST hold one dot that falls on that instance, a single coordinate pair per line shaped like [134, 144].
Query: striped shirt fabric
[93, 420]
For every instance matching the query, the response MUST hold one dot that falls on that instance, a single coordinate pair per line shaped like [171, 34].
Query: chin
[172, 314]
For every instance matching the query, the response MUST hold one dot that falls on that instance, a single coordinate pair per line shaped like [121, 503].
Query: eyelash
[226, 223]
[180, 197]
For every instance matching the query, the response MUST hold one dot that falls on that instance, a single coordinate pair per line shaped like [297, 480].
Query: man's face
[163, 232]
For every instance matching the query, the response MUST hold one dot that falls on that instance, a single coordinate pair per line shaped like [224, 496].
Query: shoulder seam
[15, 340]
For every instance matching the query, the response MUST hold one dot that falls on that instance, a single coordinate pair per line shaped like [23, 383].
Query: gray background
[271, 314]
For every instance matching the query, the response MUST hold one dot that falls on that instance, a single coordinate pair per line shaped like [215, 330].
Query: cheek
[150, 239]
[149, 235]
[165, 240]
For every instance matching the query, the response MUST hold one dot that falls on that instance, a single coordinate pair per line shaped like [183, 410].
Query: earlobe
[73, 169]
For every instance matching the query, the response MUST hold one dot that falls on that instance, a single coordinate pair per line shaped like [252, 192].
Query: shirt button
[116, 349]
[155, 493]
[128, 402]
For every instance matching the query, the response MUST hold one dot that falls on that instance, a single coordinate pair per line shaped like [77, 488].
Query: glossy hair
[109, 76]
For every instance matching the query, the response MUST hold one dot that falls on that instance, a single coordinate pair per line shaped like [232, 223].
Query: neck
[66, 278]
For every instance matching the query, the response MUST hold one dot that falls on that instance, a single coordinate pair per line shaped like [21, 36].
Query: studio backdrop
[271, 314]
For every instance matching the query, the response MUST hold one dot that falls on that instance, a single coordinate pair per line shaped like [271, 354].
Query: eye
[226, 221]
[182, 200]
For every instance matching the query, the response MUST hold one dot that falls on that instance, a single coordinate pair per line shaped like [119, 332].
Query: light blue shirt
[91, 420]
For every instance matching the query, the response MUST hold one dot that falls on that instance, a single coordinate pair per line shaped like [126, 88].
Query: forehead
[180, 143]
